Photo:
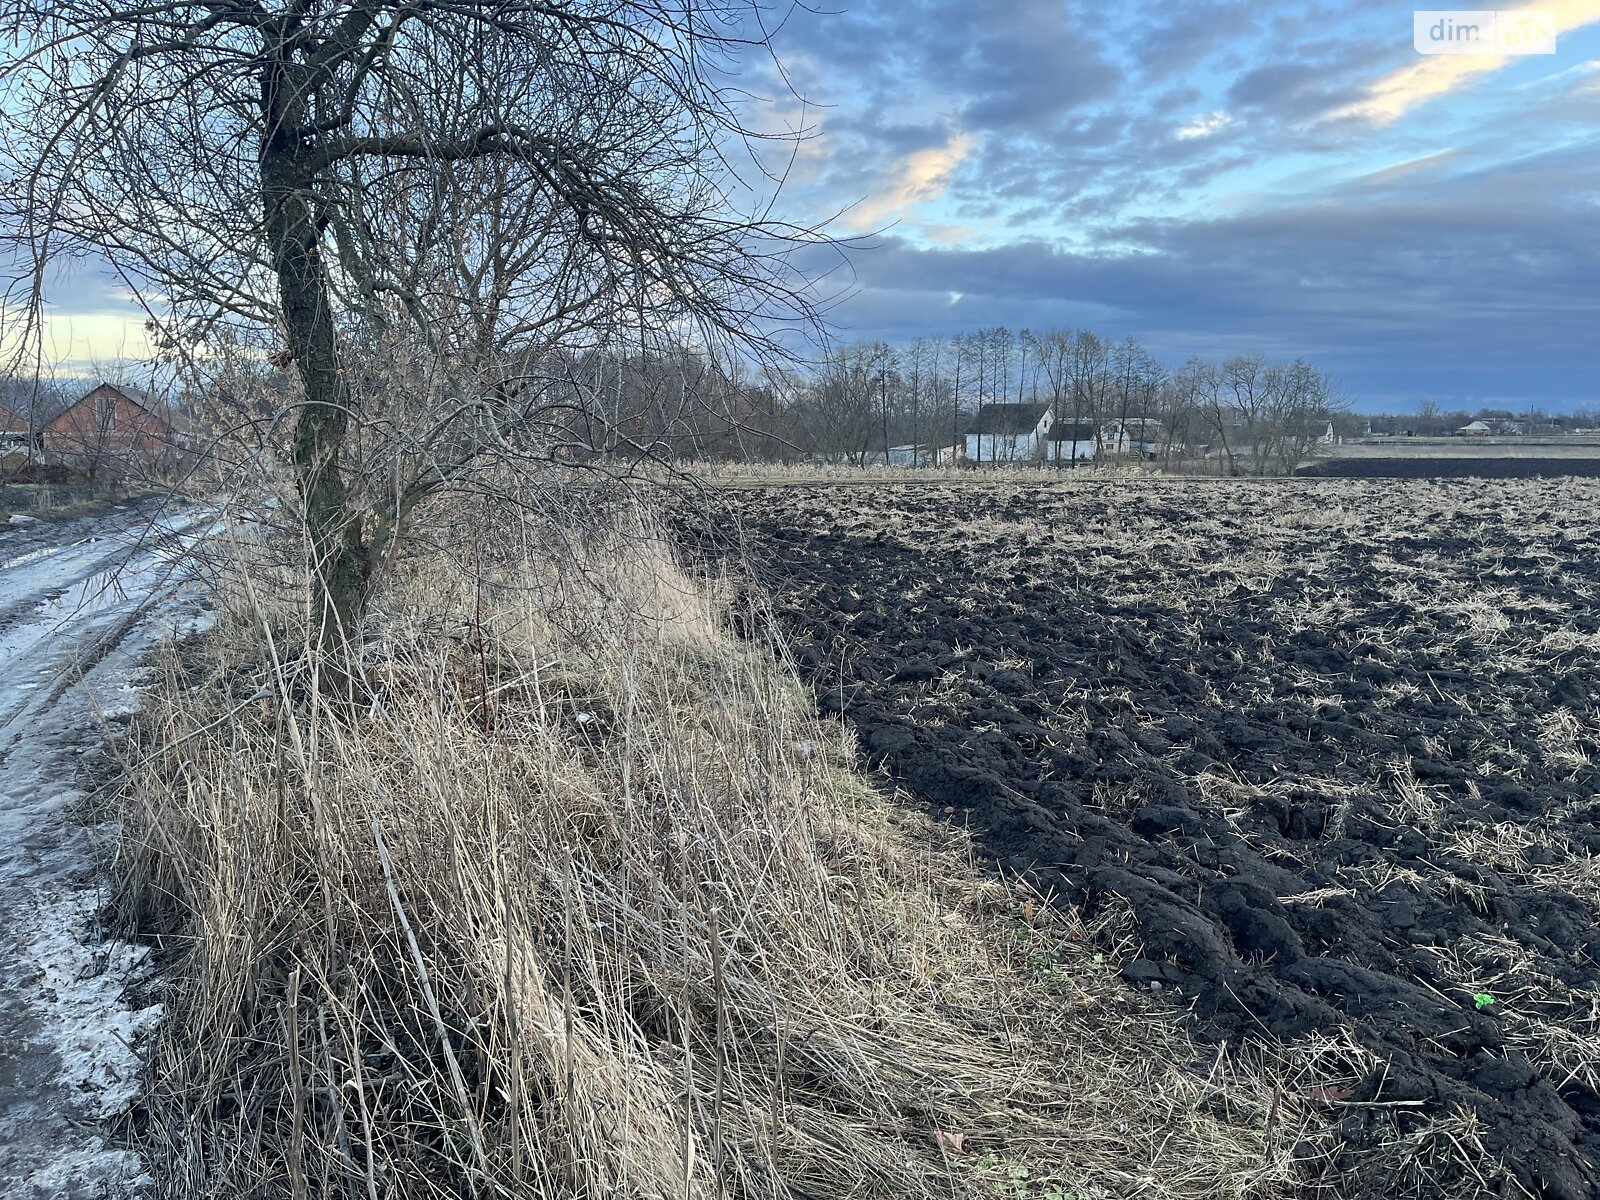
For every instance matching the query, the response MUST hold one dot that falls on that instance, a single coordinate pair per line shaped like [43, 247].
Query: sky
[1213, 177]
[1210, 178]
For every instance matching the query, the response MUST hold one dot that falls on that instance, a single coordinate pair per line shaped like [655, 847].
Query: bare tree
[1050, 352]
[1199, 384]
[939, 390]
[886, 362]
[967, 349]
[413, 204]
[841, 404]
[923, 352]
[1089, 378]
[35, 399]
[1300, 406]
[1264, 416]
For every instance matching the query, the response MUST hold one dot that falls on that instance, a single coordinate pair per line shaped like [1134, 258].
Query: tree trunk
[341, 563]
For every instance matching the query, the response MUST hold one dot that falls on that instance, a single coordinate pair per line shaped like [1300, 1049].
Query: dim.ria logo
[1483, 31]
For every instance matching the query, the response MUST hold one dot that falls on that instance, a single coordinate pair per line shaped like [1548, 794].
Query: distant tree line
[858, 402]
[865, 401]
[855, 404]
[1430, 419]
[37, 401]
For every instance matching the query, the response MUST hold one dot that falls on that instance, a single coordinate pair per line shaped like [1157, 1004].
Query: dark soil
[1422, 467]
[1332, 742]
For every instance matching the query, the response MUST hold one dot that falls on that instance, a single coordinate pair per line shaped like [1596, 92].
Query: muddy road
[82, 602]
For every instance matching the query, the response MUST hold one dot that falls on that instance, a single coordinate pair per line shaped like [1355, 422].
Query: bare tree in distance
[416, 210]
[841, 406]
[35, 399]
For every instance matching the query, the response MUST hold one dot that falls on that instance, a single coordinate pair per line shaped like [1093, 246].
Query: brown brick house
[109, 423]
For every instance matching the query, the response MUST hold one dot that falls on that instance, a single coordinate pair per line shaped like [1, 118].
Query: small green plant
[1015, 1180]
[1482, 1000]
[1040, 959]
[1047, 969]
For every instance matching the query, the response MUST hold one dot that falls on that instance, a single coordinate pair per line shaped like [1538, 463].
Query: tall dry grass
[715, 473]
[586, 902]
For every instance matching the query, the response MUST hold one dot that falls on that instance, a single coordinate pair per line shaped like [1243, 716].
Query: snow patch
[87, 1021]
[82, 615]
[92, 1170]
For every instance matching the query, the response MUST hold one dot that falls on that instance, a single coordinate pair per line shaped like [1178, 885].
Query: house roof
[1139, 426]
[1067, 431]
[1008, 419]
[105, 391]
[11, 421]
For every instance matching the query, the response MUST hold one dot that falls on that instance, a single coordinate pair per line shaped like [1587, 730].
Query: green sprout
[1482, 1000]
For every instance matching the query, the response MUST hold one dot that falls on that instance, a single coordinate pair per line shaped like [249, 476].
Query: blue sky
[1214, 177]
[1210, 178]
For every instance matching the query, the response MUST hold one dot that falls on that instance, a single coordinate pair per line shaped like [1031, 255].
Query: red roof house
[109, 422]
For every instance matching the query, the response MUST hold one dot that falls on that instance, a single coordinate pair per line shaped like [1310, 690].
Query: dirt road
[81, 604]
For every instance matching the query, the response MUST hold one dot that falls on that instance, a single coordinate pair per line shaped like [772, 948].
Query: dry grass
[730, 474]
[587, 902]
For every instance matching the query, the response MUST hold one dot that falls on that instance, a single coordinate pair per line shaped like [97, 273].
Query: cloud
[1457, 284]
[918, 178]
[1588, 86]
[89, 317]
[1203, 126]
[1393, 95]
[1173, 38]
[1581, 70]
[1396, 172]
[1170, 171]
[76, 342]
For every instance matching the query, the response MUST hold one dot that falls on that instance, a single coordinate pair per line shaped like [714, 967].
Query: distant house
[109, 423]
[16, 439]
[1008, 433]
[1071, 442]
[15, 432]
[908, 455]
[1475, 429]
[1137, 437]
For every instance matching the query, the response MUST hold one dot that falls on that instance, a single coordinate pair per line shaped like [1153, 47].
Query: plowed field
[1333, 744]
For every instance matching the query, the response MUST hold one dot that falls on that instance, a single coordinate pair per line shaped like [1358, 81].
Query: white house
[908, 455]
[1137, 437]
[1475, 429]
[1008, 433]
[1071, 442]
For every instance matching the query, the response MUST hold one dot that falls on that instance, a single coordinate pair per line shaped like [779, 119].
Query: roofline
[139, 404]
